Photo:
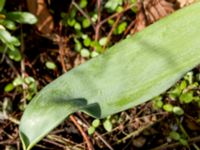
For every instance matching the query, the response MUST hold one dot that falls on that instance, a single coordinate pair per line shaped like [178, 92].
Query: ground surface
[64, 43]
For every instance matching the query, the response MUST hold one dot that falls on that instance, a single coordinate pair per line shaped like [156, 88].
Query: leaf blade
[104, 86]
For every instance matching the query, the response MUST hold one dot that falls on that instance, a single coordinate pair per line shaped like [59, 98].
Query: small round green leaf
[183, 85]
[96, 123]
[168, 107]
[71, 22]
[107, 125]
[29, 80]
[50, 65]
[91, 130]
[186, 97]
[119, 9]
[158, 103]
[94, 18]
[178, 110]
[77, 26]
[174, 135]
[18, 81]
[103, 41]
[9, 87]
[183, 141]
[85, 52]
[78, 45]
[83, 3]
[86, 23]
[87, 41]
[122, 26]
[94, 54]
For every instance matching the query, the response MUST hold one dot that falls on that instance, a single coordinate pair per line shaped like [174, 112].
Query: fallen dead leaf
[45, 24]
[183, 3]
[150, 11]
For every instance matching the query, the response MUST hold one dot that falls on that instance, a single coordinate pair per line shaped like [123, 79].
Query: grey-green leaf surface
[127, 74]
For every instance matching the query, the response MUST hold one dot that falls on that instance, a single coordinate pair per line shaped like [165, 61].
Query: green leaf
[50, 65]
[83, 3]
[96, 46]
[157, 102]
[29, 80]
[9, 87]
[96, 123]
[168, 107]
[183, 85]
[103, 41]
[71, 22]
[122, 26]
[94, 54]
[2, 3]
[22, 17]
[94, 17]
[87, 41]
[107, 125]
[153, 60]
[187, 97]
[91, 130]
[78, 45]
[18, 81]
[15, 55]
[77, 26]
[184, 142]
[178, 110]
[8, 24]
[113, 4]
[86, 23]
[85, 52]
[119, 9]
[174, 135]
[8, 39]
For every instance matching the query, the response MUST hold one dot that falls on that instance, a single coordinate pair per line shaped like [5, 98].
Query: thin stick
[129, 28]
[86, 123]
[173, 145]
[140, 130]
[99, 10]
[61, 44]
[98, 26]
[135, 133]
[11, 65]
[89, 144]
[54, 143]
[84, 14]
[112, 30]
[103, 140]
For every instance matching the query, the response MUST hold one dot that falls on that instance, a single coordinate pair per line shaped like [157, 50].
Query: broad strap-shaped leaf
[129, 73]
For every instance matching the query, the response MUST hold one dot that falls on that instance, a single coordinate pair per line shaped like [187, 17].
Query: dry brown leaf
[45, 23]
[150, 11]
